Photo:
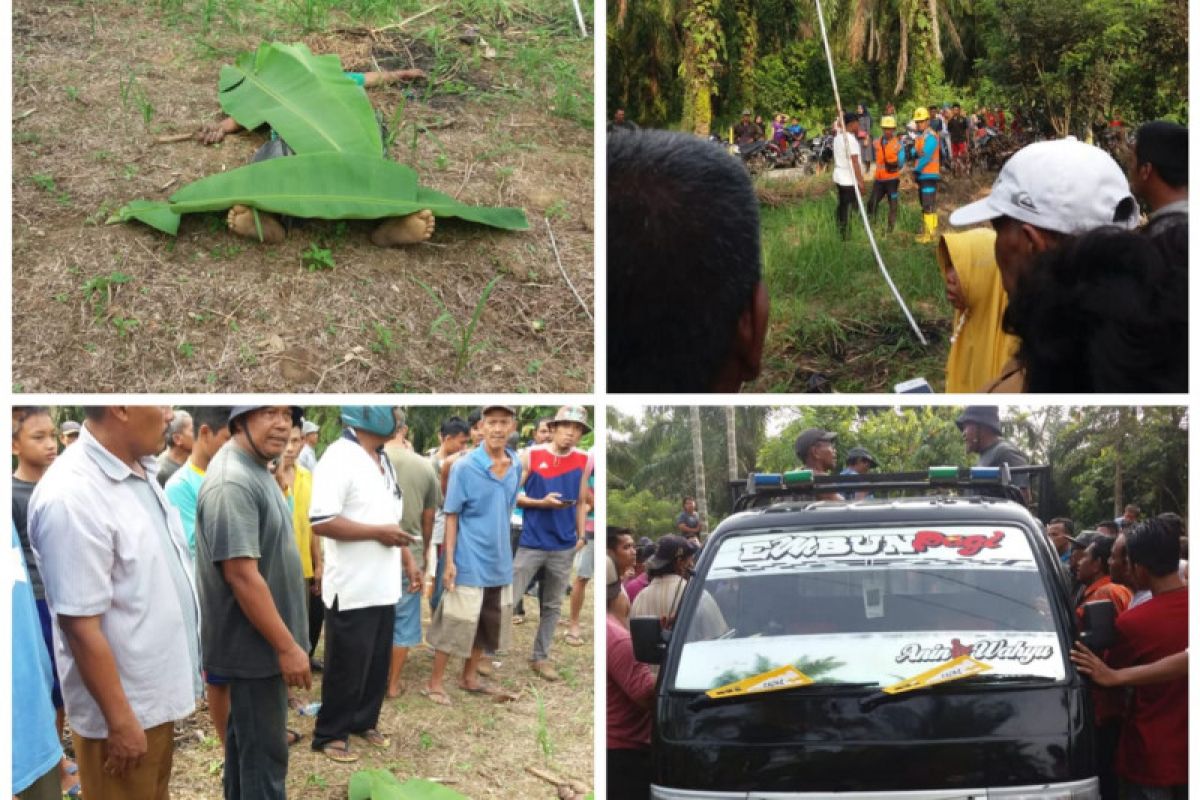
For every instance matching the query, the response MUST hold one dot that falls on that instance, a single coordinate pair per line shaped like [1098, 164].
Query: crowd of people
[1057, 286]
[1139, 685]
[141, 597]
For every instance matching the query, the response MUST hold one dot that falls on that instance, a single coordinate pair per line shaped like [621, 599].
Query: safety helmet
[888, 122]
[921, 114]
[237, 411]
[379, 420]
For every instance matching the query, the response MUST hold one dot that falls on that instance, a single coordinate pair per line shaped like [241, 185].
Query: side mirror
[1099, 625]
[649, 639]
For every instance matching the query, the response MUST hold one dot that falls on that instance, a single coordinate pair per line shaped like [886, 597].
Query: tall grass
[831, 308]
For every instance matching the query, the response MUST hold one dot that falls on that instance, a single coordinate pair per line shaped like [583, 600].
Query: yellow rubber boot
[931, 224]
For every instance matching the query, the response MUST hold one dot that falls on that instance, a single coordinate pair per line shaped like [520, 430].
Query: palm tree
[698, 466]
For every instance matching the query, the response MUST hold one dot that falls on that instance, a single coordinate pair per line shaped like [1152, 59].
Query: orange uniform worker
[889, 159]
[928, 169]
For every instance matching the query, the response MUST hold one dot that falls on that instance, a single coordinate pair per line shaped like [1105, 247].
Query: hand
[580, 544]
[415, 579]
[392, 536]
[409, 75]
[554, 501]
[126, 747]
[293, 662]
[211, 133]
[448, 576]
[1090, 664]
[318, 574]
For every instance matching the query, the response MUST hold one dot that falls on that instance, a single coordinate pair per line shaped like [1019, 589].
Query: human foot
[411, 229]
[241, 221]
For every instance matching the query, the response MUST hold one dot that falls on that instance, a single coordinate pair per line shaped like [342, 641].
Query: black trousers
[358, 652]
[845, 203]
[316, 617]
[628, 773]
[881, 189]
[1107, 736]
[256, 751]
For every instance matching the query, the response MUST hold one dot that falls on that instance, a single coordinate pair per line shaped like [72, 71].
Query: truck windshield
[876, 605]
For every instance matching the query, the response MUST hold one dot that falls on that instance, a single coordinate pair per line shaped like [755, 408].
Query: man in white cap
[1046, 193]
[552, 474]
[308, 455]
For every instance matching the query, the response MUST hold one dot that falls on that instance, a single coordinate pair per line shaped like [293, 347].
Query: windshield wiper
[704, 700]
[879, 698]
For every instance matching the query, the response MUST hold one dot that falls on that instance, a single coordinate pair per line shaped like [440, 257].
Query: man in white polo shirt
[356, 506]
[119, 583]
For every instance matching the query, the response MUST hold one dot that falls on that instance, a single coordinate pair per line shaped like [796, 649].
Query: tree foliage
[1068, 63]
[1100, 457]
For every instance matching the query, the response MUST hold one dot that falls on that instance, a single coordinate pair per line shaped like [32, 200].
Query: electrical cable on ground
[862, 209]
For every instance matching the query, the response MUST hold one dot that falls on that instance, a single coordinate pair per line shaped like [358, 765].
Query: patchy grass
[476, 746]
[95, 85]
[835, 325]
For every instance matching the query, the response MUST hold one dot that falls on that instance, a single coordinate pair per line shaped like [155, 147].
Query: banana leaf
[321, 186]
[307, 99]
[379, 784]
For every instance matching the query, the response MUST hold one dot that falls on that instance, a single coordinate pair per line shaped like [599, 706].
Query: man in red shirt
[630, 698]
[1093, 573]
[1153, 753]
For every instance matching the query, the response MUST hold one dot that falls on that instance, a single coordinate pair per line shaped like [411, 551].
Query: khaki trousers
[148, 781]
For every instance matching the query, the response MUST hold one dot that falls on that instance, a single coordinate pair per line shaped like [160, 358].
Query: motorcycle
[790, 149]
[757, 157]
[820, 152]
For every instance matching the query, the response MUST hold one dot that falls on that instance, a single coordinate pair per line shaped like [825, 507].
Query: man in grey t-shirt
[254, 629]
[980, 426]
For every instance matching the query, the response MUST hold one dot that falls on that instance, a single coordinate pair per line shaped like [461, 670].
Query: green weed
[186, 349]
[98, 290]
[461, 336]
[47, 184]
[124, 325]
[543, 731]
[384, 343]
[133, 93]
[316, 259]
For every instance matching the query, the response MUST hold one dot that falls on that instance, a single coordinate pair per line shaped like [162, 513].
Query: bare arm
[449, 540]
[371, 79]
[98, 668]
[346, 530]
[1168, 668]
[254, 598]
[427, 518]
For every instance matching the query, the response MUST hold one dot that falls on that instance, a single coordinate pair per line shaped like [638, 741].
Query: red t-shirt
[630, 692]
[1153, 748]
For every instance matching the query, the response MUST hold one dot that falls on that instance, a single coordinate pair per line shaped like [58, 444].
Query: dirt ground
[476, 746]
[101, 308]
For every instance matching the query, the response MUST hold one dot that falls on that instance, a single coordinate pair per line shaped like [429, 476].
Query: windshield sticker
[867, 657]
[784, 677]
[953, 670]
[961, 546]
[990, 649]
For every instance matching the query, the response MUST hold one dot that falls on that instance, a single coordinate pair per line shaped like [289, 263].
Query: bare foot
[241, 221]
[396, 690]
[412, 229]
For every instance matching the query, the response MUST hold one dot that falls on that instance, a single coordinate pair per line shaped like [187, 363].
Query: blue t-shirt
[552, 529]
[183, 492]
[483, 502]
[35, 747]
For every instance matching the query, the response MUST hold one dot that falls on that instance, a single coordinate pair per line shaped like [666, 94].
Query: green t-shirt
[421, 490]
[242, 513]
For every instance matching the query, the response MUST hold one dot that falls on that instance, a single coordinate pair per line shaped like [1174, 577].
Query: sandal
[518, 619]
[75, 792]
[340, 752]
[374, 738]
[435, 696]
[293, 737]
[573, 639]
[483, 687]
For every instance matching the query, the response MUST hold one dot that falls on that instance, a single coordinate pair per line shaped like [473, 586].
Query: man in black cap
[69, 433]
[859, 462]
[1158, 174]
[669, 569]
[980, 426]
[816, 451]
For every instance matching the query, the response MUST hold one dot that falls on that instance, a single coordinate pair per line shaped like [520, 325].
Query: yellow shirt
[980, 348]
[301, 497]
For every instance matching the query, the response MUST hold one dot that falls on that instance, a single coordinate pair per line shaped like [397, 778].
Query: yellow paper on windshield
[772, 681]
[961, 667]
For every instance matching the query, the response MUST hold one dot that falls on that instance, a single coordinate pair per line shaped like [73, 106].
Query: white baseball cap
[1062, 185]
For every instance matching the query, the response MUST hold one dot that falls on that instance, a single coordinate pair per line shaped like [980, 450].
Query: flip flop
[293, 736]
[374, 738]
[574, 640]
[483, 687]
[518, 619]
[340, 752]
[75, 792]
[439, 697]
